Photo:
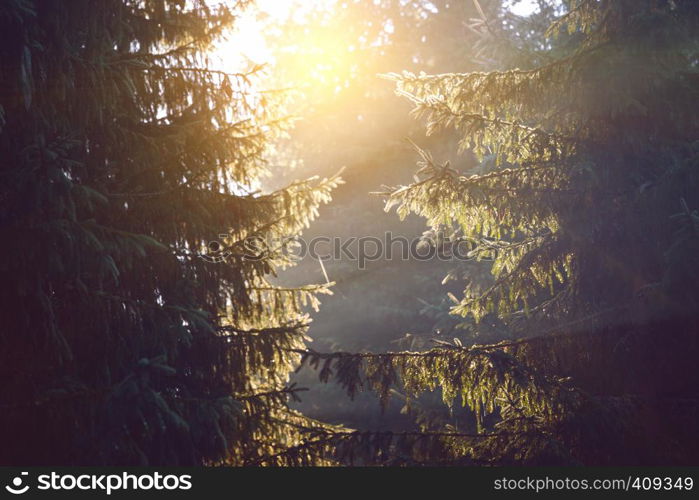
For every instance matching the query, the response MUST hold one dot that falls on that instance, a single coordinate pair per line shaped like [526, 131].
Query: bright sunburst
[247, 44]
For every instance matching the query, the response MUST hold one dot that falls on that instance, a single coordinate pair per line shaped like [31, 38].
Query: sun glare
[320, 59]
[246, 43]
[523, 8]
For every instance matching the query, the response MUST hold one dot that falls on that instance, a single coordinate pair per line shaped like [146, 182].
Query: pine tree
[586, 201]
[349, 46]
[559, 199]
[123, 156]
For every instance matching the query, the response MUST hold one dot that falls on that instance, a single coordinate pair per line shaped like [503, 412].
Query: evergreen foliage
[582, 171]
[351, 118]
[123, 155]
[585, 200]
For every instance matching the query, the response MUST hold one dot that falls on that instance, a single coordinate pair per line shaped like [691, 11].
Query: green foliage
[584, 199]
[573, 158]
[586, 398]
[123, 155]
